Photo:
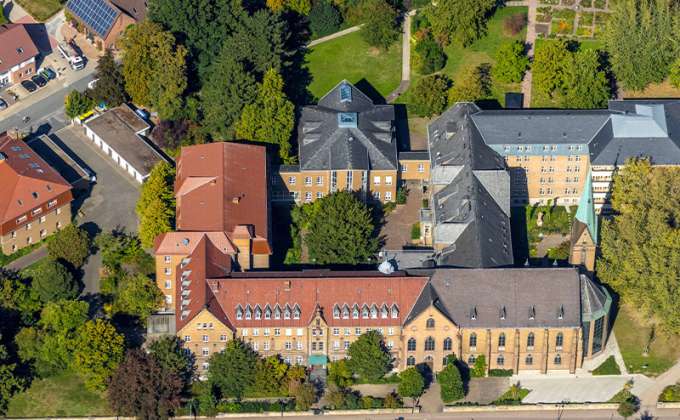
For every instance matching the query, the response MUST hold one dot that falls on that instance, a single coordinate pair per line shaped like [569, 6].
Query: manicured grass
[41, 10]
[349, 57]
[482, 51]
[513, 396]
[633, 336]
[60, 395]
[608, 367]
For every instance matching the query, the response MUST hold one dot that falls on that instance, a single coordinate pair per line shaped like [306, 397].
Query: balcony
[185, 274]
[184, 262]
[186, 283]
[185, 293]
[186, 302]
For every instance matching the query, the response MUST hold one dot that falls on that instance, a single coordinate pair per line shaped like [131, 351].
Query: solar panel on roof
[345, 93]
[97, 14]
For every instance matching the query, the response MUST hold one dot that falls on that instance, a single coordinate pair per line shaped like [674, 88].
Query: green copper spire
[586, 208]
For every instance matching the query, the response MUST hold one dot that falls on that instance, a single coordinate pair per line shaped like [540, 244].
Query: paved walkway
[612, 349]
[567, 388]
[431, 401]
[530, 42]
[649, 397]
[28, 259]
[334, 35]
[486, 390]
[405, 59]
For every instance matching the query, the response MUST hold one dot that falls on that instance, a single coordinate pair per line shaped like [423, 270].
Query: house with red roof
[18, 54]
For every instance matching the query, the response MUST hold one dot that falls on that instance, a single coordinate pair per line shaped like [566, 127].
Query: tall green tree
[229, 89]
[77, 103]
[431, 56]
[640, 245]
[473, 84]
[411, 384]
[324, 18]
[52, 281]
[154, 68]
[586, 84]
[233, 370]
[110, 86]
[639, 38]
[71, 244]
[340, 230]
[511, 62]
[381, 28]
[451, 382]
[138, 295]
[552, 61]
[98, 350]
[11, 381]
[340, 374]
[369, 358]
[270, 377]
[430, 96]
[173, 357]
[459, 21]
[156, 205]
[675, 73]
[271, 117]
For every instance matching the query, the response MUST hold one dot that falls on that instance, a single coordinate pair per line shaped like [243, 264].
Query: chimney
[236, 199]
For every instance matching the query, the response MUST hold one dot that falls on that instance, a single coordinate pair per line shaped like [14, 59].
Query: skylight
[345, 93]
[347, 120]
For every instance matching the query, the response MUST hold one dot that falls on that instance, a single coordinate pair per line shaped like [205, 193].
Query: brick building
[18, 54]
[35, 201]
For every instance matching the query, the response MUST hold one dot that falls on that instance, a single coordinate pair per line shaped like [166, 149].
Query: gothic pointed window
[286, 312]
[364, 311]
[448, 344]
[395, 311]
[429, 344]
[384, 312]
[530, 340]
[429, 323]
[267, 312]
[501, 340]
[473, 340]
[355, 311]
[258, 312]
[249, 313]
[277, 312]
[411, 344]
[297, 312]
[239, 312]
[374, 311]
[345, 312]
[559, 340]
[336, 312]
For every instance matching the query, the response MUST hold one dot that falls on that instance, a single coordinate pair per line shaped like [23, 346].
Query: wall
[409, 170]
[417, 329]
[162, 276]
[306, 186]
[39, 227]
[203, 341]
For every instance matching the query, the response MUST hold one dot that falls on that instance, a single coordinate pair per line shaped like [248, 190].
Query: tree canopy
[640, 246]
[110, 86]
[340, 230]
[52, 280]
[233, 370]
[430, 96]
[173, 357]
[99, 348]
[511, 62]
[156, 205]
[369, 358]
[459, 21]
[451, 382]
[473, 84]
[381, 28]
[77, 103]
[71, 244]
[138, 295]
[411, 384]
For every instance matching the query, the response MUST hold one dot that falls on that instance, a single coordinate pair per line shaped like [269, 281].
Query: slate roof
[471, 203]
[585, 212]
[552, 295]
[595, 299]
[342, 134]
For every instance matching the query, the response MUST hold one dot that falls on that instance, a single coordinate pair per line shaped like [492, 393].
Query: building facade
[35, 201]
[18, 54]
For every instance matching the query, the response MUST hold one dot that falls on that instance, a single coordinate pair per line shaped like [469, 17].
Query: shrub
[511, 62]
[500, 372]
[627, 408]
[512, 25]
[429, 97]
[451, 382]
[474, 84]
[670, 394]
[324, 18]
[415, 231]
[431, 55]
[513, 396]
[479, 368]
[402, 195]
[675, 73]
[608, 367]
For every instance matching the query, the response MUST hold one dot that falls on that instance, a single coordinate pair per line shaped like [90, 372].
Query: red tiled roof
[26, 180]
[220, 186]
[16, 46]
[310, 292]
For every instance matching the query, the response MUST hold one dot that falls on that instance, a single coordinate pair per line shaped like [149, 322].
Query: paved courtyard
[486, 390]
[571, 389]
[397, 228]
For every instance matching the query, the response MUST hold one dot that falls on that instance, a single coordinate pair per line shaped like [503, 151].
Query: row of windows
[549, 180]
[411, 344]
[366, 312]
[421, 168]
[545, 147]
[531, 338]
[257, 313]
[549, 191]
[528, 360]
[377, 179]
[37, 210]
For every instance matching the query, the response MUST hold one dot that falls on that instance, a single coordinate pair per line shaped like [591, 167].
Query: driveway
[110, 204]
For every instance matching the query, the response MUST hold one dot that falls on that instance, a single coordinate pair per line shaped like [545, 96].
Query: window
[244, 332]
[421, 168]
[286, 312]
[357, 331]
[346, 345]
[168, 284]
[472, 359]
[473, 340]
[51, 204]
[334, 180]
[205, 338]
[529, 360]
[336, 331]
[291, 180]
[448, 344]
[558, 359]
[187, 338]
[223, 337]
[500, 360]
[388, 195]
[404, 168]
[347, 331]
[265, 346]
[355, 312]
[345, 312]
[308, 180]
[376, 195]
[501, 341]
[383, 312]
[205, 366]
[277, 312]
[266, 332]
[350, 180]
[429, 323]
[239, 312]
[255, 346]
[289, 332]
[376, 180]
[364, 311]
[256, 332]
[336, 312]
[258, 312]
[299, 360]
[298, 345]
[168, 271]
[429, 344]
[411, 344]
[411, 361]
[395, 311]
[388, 180]
[249, 313]
[267, 312]
[206, 351]
[277, 332]
[374, 312]
[300, 332]
[559, 340]
[296, 312]
[530, 340]
[167, 258]
[308, 196]
[390, 344]
[532, 309]
[319, 194]
[319, 180]
[288, 345]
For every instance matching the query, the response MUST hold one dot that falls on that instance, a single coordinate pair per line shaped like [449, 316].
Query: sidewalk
[28, 259]
[334, 35]
[405, 59]
[530, 42]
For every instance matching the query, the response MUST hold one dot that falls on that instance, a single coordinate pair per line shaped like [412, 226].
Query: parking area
[109, 203]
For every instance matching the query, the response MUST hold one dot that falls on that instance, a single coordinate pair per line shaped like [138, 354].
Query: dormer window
[267, 312]
[258, 312]
[336, 312]
[532, 312]
[277, 312]
[502, 313]
[374, 312]
[395, 311]
[296, 312]
[364, 311]
[383, 312]
[345, 312]
[249, 313]
[239, 313]
[560, 312]
[473, 313]
[355, 311]
[286, 312]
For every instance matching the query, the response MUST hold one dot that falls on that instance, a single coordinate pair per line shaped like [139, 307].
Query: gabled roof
[98, 15]
[221, 186]
[16, 46]
[349, 133]
[27, 181]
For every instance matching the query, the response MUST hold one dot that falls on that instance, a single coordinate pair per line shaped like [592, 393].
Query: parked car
[29, 86]
[39, 80]
[48, 73]
[3, 104]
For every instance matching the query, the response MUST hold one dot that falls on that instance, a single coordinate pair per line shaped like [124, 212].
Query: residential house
[35, 201]
[18, 54]
[120, 132]
[103, 21]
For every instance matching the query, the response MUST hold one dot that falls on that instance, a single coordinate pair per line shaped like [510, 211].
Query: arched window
[239, 312]
[384, 312]
[395, 311]
[501, 340]
[411, 361]
[472, 359]
[296, 312]
[473, 340]
[364, 311]
[374, 312]
[500, 360]
[267, 312]
[529, 360]
[336, 312]
[530, 340]
[411, 345]
[558, 359]
[448, 343]
[345, 312]
[429, 323]
[258, 312]
[429, 344]
[277, 312]
[286, 312]
[249, 313]
[559, 340]
[355, 311]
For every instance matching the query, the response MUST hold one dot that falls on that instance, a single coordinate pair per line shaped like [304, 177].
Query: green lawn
[349, 57]
[41, 10]
[633, 336]
[608, 367]
[482, 51]
[61, 395]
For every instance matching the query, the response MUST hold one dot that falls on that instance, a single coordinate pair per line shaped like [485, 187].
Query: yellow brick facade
[414, 170]
[166, 270]
[40, 227]
[204, 336]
